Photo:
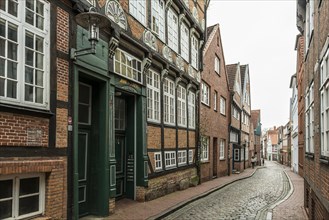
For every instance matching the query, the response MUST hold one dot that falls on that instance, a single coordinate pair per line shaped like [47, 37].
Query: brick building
[238, 155]
[299, 47]
[313, 24]
[214, 111]
[257, 132]
[34, 66]
[294, 148]
[138, 101]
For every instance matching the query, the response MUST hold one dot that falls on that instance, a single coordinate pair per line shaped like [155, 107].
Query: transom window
[309, 119]
[84, 103]
[128, 66]
[137, 8]
[172, 30]
[205, 93]
[21, 196]
[184, 42]
[182, 157]
[169, 101]
[191, 110]
[24, 52]
[204, 148]
[324, 90]
[170, 159]
[158, 18]
[195, 52]
[181, 108]
[153, 96]
[120, 114]
[158, 161]
[221, 149]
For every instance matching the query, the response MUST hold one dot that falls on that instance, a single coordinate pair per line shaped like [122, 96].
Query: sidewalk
[129, 209]
[293, 207]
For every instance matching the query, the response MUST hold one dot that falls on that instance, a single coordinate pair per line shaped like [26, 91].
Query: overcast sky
[261, 33]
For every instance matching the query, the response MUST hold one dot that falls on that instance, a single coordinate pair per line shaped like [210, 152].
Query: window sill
[205, 104]
[309, 155]
[26, 110]
[222, 159]
[205, 162]
[324, 161]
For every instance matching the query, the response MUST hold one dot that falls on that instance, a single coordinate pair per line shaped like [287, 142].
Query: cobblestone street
[251, 198]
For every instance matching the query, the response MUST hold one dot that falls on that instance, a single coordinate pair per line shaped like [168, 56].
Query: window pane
[6, 209]
[2, 27]
[2, 47]
[39, 8]
[29, 17]
[30, 4]
[29, 40]
[39, 44]
[12, 8]
[84, 114]
[84, 94]
[28, 75]
[12, 51]
[28, 205]
[2, 87]
[39, 95]
[29, 186]
[29, 57]
[6, 187]
[2, 7]
[12, 32]
[39, 78]
[11, 89]
[39, 61]
[39, 22]
[28, 93]
[12, 70]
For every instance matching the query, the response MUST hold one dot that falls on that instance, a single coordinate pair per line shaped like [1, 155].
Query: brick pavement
[128, 209]
[293, 207]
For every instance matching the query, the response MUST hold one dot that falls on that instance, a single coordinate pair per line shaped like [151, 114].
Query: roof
[209, 30]
[231, 73]
[242, 72]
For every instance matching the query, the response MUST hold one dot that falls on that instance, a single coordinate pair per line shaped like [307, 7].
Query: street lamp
[92, 21]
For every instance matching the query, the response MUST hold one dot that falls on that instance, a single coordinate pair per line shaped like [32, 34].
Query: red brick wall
[14, 130]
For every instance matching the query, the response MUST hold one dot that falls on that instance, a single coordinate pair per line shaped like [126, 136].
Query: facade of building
[257, 132]
[294, 124]
[34, 66]
[313, 23]
[246, 130]
[301, 101]
[238, 150]
[272, 137]
[214, 110]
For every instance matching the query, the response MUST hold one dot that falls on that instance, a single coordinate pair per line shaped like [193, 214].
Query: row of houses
[307, 132]
[103, 99]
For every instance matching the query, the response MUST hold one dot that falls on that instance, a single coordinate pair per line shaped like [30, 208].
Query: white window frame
[215, 100]
[137, 8]
[157, 161]
[22, 28]
[234, 137]
[309, 120]
[204, 149]
[170, 157]
[217, 65]
[158, 18]
[221, 149]
[128, 66]
[222, 105]
[194, 52]
[181, 106]
[15, 194]
[153, 81]
[191, 110]
[184, 42]
[190, 156]
[172, 27]
[205, 90]
[182, 157]
[169, 101]
[324, 91]
[236, 113]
